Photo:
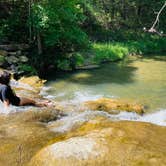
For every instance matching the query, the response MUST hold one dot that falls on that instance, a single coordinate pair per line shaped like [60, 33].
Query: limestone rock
[20, 139]
[107, 143]
[111, 105]
[33, 81]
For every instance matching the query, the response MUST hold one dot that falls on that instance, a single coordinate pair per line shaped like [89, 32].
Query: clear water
[141, 79]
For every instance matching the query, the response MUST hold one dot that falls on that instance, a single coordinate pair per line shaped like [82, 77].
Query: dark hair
[5, 77]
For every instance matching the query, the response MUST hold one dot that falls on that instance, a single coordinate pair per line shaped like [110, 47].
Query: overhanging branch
[153, 29]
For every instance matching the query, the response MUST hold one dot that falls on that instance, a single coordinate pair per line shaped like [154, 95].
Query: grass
[113, 51]
[109, 51]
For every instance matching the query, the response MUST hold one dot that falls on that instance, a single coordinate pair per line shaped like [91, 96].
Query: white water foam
[8, 110]
[13, 109]
[158, 118]
[76, 119]
[84, 96]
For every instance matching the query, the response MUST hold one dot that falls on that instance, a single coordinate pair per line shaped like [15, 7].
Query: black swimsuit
[6, 93]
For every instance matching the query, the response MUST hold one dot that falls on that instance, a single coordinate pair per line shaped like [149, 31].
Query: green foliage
[13, 21]
[146, 46]
[27, 69]
[109, 51]
[2, 60]
[71, 62]
[113, 51]
[122, 20]
[58, 23]
[79, 59]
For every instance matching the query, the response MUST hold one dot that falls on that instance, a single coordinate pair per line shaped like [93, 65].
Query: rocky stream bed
[38, 137]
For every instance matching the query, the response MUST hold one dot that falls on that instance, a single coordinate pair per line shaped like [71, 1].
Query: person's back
[6, 93]
[8, 96]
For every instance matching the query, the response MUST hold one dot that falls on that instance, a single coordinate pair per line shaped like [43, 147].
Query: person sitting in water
[8, 96]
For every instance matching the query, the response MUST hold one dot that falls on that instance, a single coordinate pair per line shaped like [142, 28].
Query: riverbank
[113, 51]
[13, 57]
[100, 52]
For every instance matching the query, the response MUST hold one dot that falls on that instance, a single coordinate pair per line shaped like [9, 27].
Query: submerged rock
[113, 106]
[101, 142]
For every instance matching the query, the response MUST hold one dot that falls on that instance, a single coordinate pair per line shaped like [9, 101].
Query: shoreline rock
[114, 106]
[106, 143]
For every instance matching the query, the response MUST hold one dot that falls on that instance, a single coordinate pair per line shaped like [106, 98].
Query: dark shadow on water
[119, 72]
[154, 57]
[109, 73]
[122, 72]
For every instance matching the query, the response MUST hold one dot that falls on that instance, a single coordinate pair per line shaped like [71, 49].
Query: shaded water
[139, 79]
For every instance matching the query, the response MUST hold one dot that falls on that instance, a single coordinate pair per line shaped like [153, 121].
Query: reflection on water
[138, 79]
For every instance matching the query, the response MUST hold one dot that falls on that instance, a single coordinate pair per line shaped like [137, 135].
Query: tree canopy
[56, 29]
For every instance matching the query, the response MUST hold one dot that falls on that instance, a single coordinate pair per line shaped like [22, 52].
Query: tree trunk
[30, 25]
[39, 44]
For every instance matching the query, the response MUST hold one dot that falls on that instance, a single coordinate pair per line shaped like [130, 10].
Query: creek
[28, 134]
[138, 79]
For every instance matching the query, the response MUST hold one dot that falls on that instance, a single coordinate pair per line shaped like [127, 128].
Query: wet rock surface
[35, 136]
[114, 106]
[101, 142]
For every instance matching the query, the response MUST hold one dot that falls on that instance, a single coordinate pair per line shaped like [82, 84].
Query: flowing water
[136, 79]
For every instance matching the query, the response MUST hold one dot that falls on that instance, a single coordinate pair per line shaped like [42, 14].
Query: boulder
[12, 53]
[106, 143]
[34, 81]
[12, 59]
[114, 106]
[19, 52]
[3, 53]
[23, 59]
